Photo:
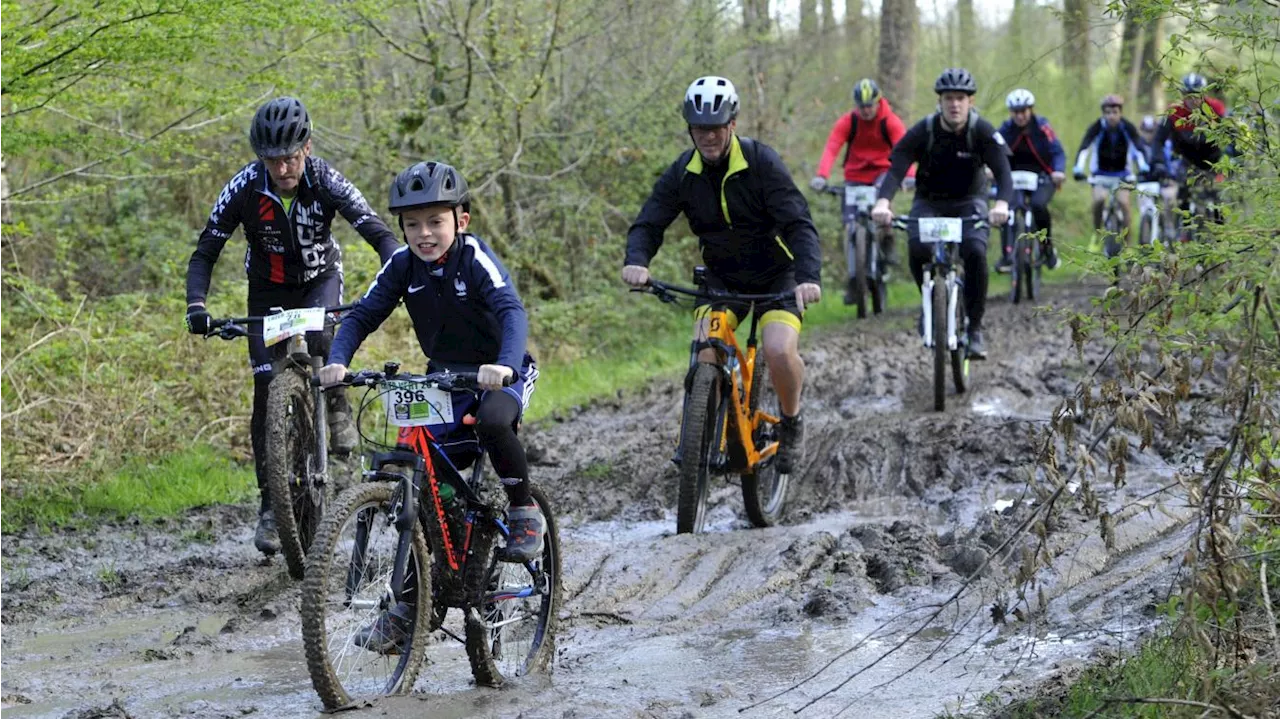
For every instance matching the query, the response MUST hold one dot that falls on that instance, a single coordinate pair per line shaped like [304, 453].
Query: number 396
[405, 396]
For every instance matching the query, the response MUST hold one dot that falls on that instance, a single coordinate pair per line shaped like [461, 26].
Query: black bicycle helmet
[956, 79]
[429, 183]
[866, 93]
[280, 127]
[710, 100]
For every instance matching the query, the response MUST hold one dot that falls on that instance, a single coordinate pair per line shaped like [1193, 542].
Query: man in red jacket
[870, 131]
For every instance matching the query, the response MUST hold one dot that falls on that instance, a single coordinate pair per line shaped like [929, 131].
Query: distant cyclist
[1161, 155]
[1184, 129]
[1114, 144]
[869, 131]
[1035, 148]
[951, 147]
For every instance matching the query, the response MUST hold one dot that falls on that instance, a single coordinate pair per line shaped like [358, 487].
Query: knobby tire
[764, 490]
[697, 435]
[289, 464]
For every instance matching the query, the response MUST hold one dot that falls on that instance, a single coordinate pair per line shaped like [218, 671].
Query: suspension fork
[321, 410]
[406, 513]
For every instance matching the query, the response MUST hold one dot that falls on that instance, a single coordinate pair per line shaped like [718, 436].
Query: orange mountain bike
[731, 414]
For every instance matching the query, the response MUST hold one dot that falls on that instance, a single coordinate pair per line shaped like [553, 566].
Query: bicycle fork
[926, 305]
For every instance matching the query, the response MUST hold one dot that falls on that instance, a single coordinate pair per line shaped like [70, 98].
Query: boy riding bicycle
[467, 315]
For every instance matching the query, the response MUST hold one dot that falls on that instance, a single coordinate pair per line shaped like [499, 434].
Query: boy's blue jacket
[465, 310]
[1035, 148]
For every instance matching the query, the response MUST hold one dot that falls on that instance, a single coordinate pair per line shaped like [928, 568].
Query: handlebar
[229, 328]
[667, 293]
[900, 222]
[446, 380]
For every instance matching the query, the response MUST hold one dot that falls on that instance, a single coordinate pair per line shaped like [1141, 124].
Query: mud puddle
[895, 507]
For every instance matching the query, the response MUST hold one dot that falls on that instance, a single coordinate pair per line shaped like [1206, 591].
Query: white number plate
[860, 197]
[1023, 180]
[941, 229]
[1149, 188]
[286, 324]
[411, 404]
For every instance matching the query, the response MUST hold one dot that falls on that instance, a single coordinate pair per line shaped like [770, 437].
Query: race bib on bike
[941, 229]
[1151, 189]
[283, 325]
[1024, 180]
[412, 404]
[859, 197]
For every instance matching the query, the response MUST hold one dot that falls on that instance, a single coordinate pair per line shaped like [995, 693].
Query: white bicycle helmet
[1020, 99]
[710, 100]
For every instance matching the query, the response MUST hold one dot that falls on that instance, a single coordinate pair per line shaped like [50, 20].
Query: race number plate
[1149, 188]
[941, 229]
[283, 325]
[411, 404]
[1023, 180]
[860, 197]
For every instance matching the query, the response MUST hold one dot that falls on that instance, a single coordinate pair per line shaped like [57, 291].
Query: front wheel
[510, 627]
[348, 591]
[1021, 262]
[858, 286]
[940, 350]
[764, 489]
[1146, 229]
[296, 494]
[697, 439]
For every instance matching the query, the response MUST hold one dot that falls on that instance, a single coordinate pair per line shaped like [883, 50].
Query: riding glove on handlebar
[197, 320]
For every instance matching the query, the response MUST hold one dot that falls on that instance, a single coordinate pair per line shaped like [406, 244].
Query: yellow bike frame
[743, 421]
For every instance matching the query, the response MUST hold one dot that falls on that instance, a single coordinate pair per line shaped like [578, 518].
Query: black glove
[1077, 176]
[197, 320]
[1159, 173]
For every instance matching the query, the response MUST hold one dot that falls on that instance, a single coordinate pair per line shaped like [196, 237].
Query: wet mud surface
[895, 507]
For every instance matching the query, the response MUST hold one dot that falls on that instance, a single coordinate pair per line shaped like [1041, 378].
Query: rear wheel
[940, 351]
[297, 497]
[697, 437]
[764, 489]
[347, 589]
[859, 287]
[510, 628]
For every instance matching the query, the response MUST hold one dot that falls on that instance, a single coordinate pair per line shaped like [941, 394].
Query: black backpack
[853, 132]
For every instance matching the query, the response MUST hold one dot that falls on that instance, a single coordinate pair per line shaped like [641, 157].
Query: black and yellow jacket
[751, 221]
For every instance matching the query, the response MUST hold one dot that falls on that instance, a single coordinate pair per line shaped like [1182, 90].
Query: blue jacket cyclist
[467, 316]
[1034, 147]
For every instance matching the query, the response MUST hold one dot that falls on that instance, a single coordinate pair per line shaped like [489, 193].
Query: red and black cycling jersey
[286, 246]
[1188, 138]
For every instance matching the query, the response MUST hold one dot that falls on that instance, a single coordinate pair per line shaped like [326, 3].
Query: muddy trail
[895, 506]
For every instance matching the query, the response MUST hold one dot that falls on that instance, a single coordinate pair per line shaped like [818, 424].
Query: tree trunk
[756, 22]
[1017, 33]
[1130, 54]
[828, 18]
[853, 24]
[1075, 30]
[966, 28]
[897, 53]
[706, 20]
[808, 20]
[1150, 95]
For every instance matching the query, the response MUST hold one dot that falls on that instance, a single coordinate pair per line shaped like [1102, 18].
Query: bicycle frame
[735, 421]
[1150, 207]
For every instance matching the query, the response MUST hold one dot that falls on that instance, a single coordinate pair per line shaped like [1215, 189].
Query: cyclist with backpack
[1183, 130]
[951, 146]
[1114, 143]
[285, 201]
[1035, 148]
[869, 131]
[754, 233]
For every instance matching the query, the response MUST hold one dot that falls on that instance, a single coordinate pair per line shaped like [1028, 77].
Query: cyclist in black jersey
[755, 234]
[951, 147]
[285, 201]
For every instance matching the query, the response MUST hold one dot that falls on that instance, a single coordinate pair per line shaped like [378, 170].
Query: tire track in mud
[893, 508]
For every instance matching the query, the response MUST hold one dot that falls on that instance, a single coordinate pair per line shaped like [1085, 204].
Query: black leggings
[973, 251]
[496, 428]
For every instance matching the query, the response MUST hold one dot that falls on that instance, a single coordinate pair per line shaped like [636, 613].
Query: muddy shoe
[265, 537]
[1050, 254]
[790, 444]
[527, 528]
[343, 436]
[389, 633]
[977, 350]
[1005, 265]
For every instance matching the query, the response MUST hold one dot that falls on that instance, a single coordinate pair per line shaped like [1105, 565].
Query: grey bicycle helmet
[429, 183]
[956, 79]
[1193, 83]
[280, 127]
[710, 100]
